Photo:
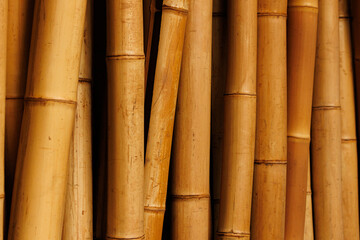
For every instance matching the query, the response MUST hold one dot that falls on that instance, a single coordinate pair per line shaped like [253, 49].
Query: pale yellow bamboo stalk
[326, 127]
[78, 220]
[302, 29]
[309, 225]
[350, 195]
[268, 206]
[191, 156]
[125, 66]
[239, 122]
[218, 77]
[172, 33]
[48, 120]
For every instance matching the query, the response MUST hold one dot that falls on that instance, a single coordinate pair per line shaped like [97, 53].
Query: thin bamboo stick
[78, 220]
[350, 195]
[302, 29]
[48, 120]
[3, 44]
[172, 34]
[125, 66]
[309, 225]
[191, 157]
[326, 127]
[268, 206]
[239, 122]
[218, 76]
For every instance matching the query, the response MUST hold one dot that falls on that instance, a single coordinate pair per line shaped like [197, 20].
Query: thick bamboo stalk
[78, 220]
[125, 66]
[268, 206]
[326, 127]
[309, 225]
[302, 29]
[172, 34]
[191, 157]
[218, 77]
[239, 122]
[48, 119]
[350, 196]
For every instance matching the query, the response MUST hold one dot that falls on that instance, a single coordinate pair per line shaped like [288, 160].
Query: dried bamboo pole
[218, 76]
[239, 122]
[3, 44]
[172, 34]
[350, 195]
[48, 120]
[125, 66]
[268, 206]
[309, 226]
[326, 127]
[78, 220]
[191, 155]
[302, 29]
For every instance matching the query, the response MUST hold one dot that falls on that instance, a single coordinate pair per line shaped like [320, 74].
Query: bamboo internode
[309, 224]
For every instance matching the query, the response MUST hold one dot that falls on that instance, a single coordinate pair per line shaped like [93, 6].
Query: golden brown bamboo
[172, 34]
[268, 206]
[78, 220]
[239, 122]
[349, 167]
[48, 120]
[125, 66]
[301, 43]
[309, 226]
[191, 156]
[326, 127]
[3, 44]
[218, 77]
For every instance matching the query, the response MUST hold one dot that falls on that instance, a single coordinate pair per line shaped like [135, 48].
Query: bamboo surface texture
[48, 119]
[239, 122]
[191, 156]
[125, 66]
[157, 160]
[309, 224]
[78, 220]
[350, 196]
[326, 127]
[268, 206]
[218, 77]
[302, 29]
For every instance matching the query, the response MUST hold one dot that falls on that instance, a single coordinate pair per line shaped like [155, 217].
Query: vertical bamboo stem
[218, 76]
[125, 66]
[48, 119]
[302, 29]
[239, 122]
[158, 149]
[309, 225]
[326, 127]
[191, 156]
[268, 206]
[350, 196]
[78, 221]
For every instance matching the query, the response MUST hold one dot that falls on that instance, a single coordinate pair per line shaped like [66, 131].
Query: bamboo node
[175, 9]
[271, 14]
[125, 57]
[251, 95]
[233, 234]
[327, 108]
[270, 162]
[135, 238]
[44, 100]
[154, 209]
[14, 98]
[85, 80]
[300, 139]
[345, 140]
[190, 197]
[2, 196]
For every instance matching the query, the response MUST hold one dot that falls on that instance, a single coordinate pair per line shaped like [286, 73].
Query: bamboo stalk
[309, 226]
[191, 155]
[302, 29]
[125, 66]
[350, 195]
[48, 120]
[239, 122]
[268, 206]
[78, 220]
[218, 76]
[158, 149]
[326, 127]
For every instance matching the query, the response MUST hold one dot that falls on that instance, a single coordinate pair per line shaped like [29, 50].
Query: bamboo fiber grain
[302, 29]
[172, 34]
[191, 156]
[309, 224]
[48, 119]
[239, 122]
[350, 196]
[268, 206]
[326, 127]
[78, 220]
